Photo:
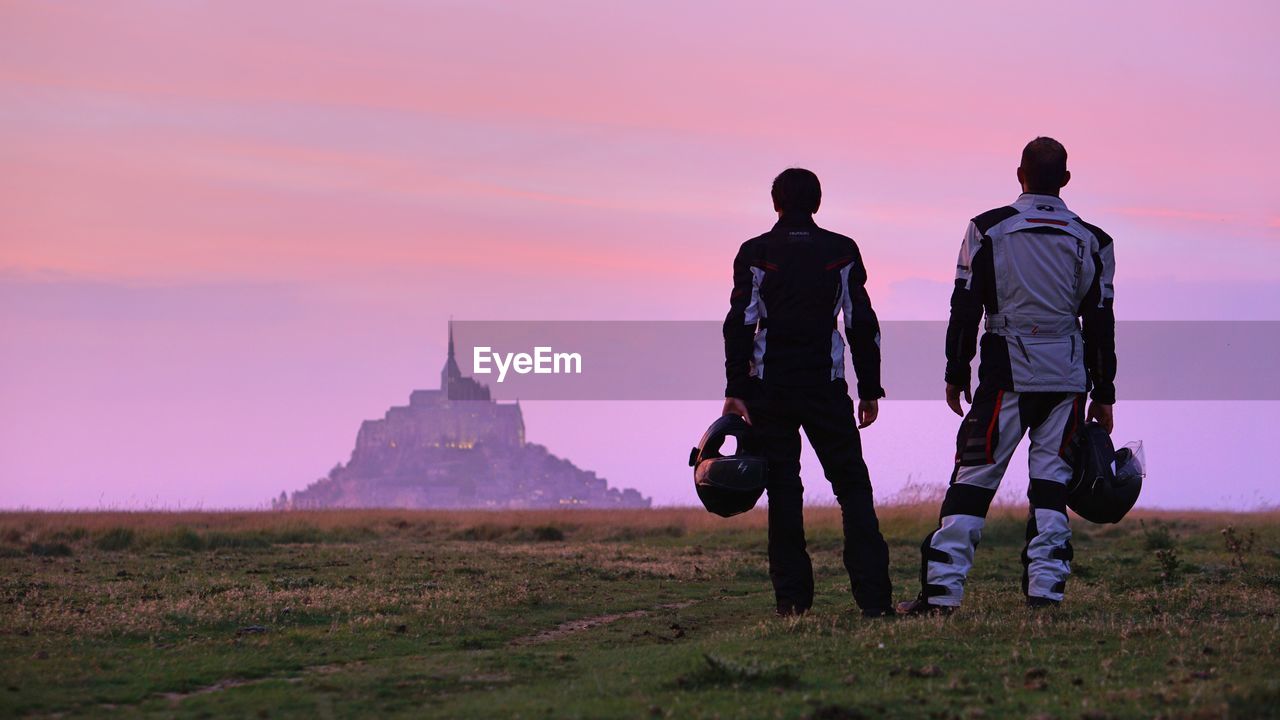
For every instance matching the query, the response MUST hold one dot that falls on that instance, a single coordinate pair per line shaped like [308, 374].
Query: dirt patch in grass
[577, 625]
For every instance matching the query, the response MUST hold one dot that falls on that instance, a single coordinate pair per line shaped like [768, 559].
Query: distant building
[455, 448]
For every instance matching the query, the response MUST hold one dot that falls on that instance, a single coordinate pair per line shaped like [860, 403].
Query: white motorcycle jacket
[1044, 279]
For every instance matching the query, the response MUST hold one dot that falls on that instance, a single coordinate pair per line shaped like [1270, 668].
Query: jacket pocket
[1045, 363]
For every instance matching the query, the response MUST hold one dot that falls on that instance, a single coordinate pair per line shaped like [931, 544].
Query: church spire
[450, 372]
[452, 382]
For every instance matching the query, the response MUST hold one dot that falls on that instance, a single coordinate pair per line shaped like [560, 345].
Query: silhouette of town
[455, 447]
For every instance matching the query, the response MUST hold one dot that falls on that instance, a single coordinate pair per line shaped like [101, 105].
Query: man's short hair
[1044, 164]
[797, 190]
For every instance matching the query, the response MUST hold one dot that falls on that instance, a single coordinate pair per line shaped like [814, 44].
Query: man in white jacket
[1044, 280]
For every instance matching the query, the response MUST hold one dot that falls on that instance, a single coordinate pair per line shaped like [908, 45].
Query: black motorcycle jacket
[789, 287]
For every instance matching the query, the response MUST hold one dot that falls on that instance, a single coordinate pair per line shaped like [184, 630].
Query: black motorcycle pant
[826, 414]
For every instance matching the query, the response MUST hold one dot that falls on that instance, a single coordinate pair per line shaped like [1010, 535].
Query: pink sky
[231, 231]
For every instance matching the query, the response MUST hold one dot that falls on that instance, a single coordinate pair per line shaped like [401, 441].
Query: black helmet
[728, 485]
[1105, 483]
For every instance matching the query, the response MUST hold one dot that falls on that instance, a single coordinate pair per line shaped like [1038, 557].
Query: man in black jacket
[784, 360]
[1044, 279]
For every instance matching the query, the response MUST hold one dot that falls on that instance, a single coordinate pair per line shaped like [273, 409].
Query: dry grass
[588, 524]
[406, 613]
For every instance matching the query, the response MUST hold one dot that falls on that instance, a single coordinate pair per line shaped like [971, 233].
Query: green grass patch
[49, 549]
[630, 615]
[115, 539]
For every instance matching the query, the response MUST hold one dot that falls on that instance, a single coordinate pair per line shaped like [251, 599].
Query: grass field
[662, 613]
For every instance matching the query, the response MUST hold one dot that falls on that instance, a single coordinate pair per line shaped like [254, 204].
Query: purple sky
[229, 232]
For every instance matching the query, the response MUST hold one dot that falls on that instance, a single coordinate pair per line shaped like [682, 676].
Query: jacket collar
[1027, 201]
[795, 220]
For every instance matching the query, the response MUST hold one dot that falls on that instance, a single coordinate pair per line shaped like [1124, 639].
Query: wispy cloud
[367, 169]
[1244, 224]
[1175, 214]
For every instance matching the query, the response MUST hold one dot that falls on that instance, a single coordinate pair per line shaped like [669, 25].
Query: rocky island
[455, 447]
